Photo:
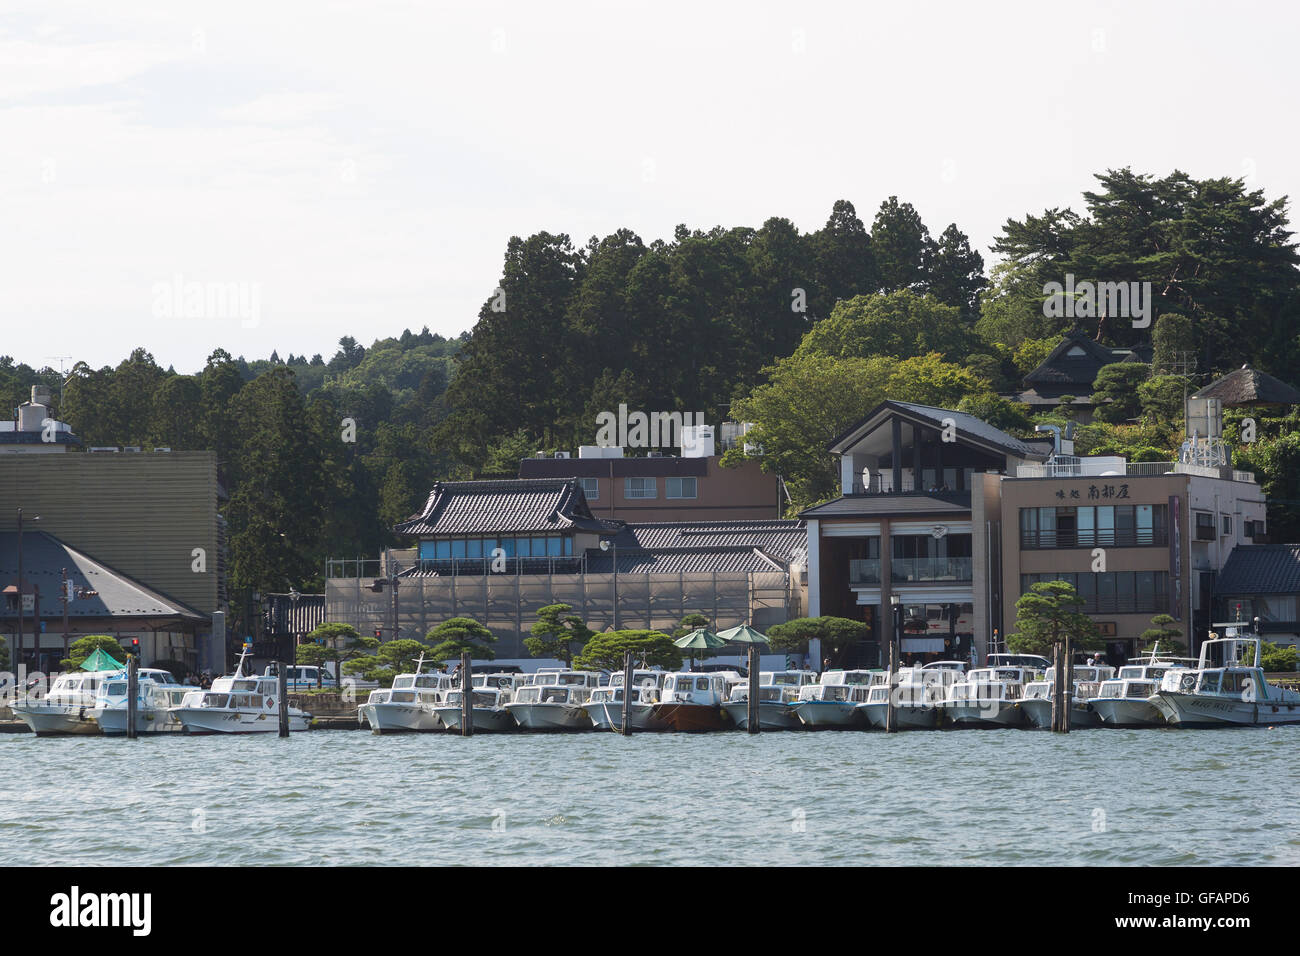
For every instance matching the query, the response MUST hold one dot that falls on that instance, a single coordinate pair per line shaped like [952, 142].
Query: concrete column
[814, 569]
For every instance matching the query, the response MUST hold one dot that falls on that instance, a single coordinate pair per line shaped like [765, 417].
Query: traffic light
[135, 647]
[379, 633]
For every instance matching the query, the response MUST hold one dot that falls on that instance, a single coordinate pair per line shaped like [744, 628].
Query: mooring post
[282, 687]
[132, 691]
[1068, 670]
[466, 697]
[753, 689]
[891, 714]
[625, 725]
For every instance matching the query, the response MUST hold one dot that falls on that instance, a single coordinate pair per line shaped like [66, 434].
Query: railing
[884, 485]
[866, 571]
[1097, 538]
[1086, 468]
[483, 566]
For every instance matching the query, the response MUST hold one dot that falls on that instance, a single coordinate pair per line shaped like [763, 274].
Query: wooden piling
[625, 725]
[1068, 668]
[752, 707]
[282, 688]
[891, 713]
[132, 692]
[466, 697]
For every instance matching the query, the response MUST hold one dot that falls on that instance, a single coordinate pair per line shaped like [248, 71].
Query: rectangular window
[1106, 526]
[539, 547]
[458, 548]
[679, 488]
[1227, 523]
[640, 488]
[554, 546]
[1087, 520]
[444, 549]
[590, 488]
[1204, 526]
[568, 545]
[474, 548]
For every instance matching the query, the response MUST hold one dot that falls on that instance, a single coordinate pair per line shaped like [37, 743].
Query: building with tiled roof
[1262, 580]
[1071, 369]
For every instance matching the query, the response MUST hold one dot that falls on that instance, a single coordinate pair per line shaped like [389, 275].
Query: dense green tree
[388, 660]
[1162, 636]
[837, 636]
[900, 324]
[902, 246]
[1046, 615]
[83, 647]
[457, 635]
[956, 273]
[605, 651]
[555, 632]
[1115, 391]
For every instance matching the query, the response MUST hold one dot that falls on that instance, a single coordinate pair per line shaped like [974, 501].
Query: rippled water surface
[1153, 797]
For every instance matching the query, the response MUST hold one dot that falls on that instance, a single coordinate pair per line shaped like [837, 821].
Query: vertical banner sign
[1176, 558]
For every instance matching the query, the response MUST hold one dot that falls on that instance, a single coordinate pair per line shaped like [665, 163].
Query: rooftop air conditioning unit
[654, 454]
[130, 448]
[562, 454]
[162, 449]
[539, 454]
[104, 448]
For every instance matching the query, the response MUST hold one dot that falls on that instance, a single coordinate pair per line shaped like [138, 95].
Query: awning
[922, 645]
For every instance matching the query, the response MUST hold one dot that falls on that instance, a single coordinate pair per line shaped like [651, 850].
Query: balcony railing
[866, 571]
[1096, 468]
[1096, 538]
[884, 485]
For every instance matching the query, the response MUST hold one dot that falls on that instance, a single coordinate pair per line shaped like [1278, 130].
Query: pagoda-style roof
[1247, 386]
[1071, 368]
[518, 506]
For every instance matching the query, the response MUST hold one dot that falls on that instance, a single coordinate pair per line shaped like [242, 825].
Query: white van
[305, 676]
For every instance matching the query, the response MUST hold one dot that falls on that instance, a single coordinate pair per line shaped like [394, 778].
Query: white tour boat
[157, 693]
[1039, 695]
[1227, 688]
[918, 698]
[69, 706]
[833, 701]
[410, 705]
[237, 704]
[488, 704]
[605, 706]
[778, 692]
[551, 706]
[988, 697]
[691, 701]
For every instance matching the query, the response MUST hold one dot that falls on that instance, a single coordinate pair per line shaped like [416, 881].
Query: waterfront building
[956, 519]
[148, 516]
[1262, 581]
[497, 551]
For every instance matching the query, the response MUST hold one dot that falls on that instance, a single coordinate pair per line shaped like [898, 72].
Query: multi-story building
[943, 521]
[658, 487]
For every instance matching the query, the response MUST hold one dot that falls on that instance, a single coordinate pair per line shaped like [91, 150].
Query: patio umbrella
[699, 640]
[743, 634]
[100, 661]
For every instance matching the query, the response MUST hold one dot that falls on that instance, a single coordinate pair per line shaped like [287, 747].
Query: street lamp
[68, 593]
[18, 651]
[608, 545]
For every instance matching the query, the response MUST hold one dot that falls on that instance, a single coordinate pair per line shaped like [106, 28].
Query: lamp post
[608, 545]
[68, 593]
[22, 594]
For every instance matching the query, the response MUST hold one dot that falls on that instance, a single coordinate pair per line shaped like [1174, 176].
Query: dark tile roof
[619, 467]
[1060, 369]
[891, 506]
[44, 557]
[704, 546]
[683, 560]
[1246, 386]
[1261, 569]
[518, 506]
[969, 428]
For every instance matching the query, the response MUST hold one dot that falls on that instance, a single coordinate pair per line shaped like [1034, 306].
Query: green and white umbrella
[699, 640]
[744, 634]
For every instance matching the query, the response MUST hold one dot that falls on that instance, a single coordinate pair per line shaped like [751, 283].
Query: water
[1126, 797]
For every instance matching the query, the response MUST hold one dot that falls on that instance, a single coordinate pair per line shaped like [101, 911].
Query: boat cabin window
[244, 685]
[1209, 683]
[407, 681]
[216, 700]
[424, 680]
[246, 700]
[1130, 672]
[403, 696]
[115, 689]
[554, 695]
[1140, 688]
[1237, 682]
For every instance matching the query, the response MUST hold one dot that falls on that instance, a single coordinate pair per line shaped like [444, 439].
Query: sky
[274, 175]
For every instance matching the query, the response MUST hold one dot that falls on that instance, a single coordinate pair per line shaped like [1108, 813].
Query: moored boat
[157, 693]
[68, 707]
[691, 702]
[237, 704]
[489, 711]
[551, 707]
[833, 701]
[988, 697]
[918, 698]
[1227, 688]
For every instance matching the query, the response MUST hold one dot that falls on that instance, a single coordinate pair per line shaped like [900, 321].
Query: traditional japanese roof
[1246, 386]
[1261, 569]
[780, 539]
[44, 558]
[970, 430]
[683, 560]
[518, 506]
[1072, 367]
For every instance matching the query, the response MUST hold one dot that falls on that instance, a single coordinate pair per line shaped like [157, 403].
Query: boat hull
[689, 718]
[112, 721]
[609, 716]
[57, 720]
[829, 713]
[1127, 712]
[1209, 710]
[985, 713]
[909, 717]
[550, 717]
[390, 718]
[772, 715]
[487, 720]
[198, 721]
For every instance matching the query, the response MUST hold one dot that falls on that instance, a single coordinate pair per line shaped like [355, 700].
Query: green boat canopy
[699, 640]
[100, 661]
[743, 634]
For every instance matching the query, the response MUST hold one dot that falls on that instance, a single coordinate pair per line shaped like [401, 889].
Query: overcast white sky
[361, 165]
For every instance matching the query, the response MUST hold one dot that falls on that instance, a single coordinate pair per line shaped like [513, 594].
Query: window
[1090, 526]
[1204, 526]
[590, 488]
[640, 488]
[679, 488]
[1226, 523]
